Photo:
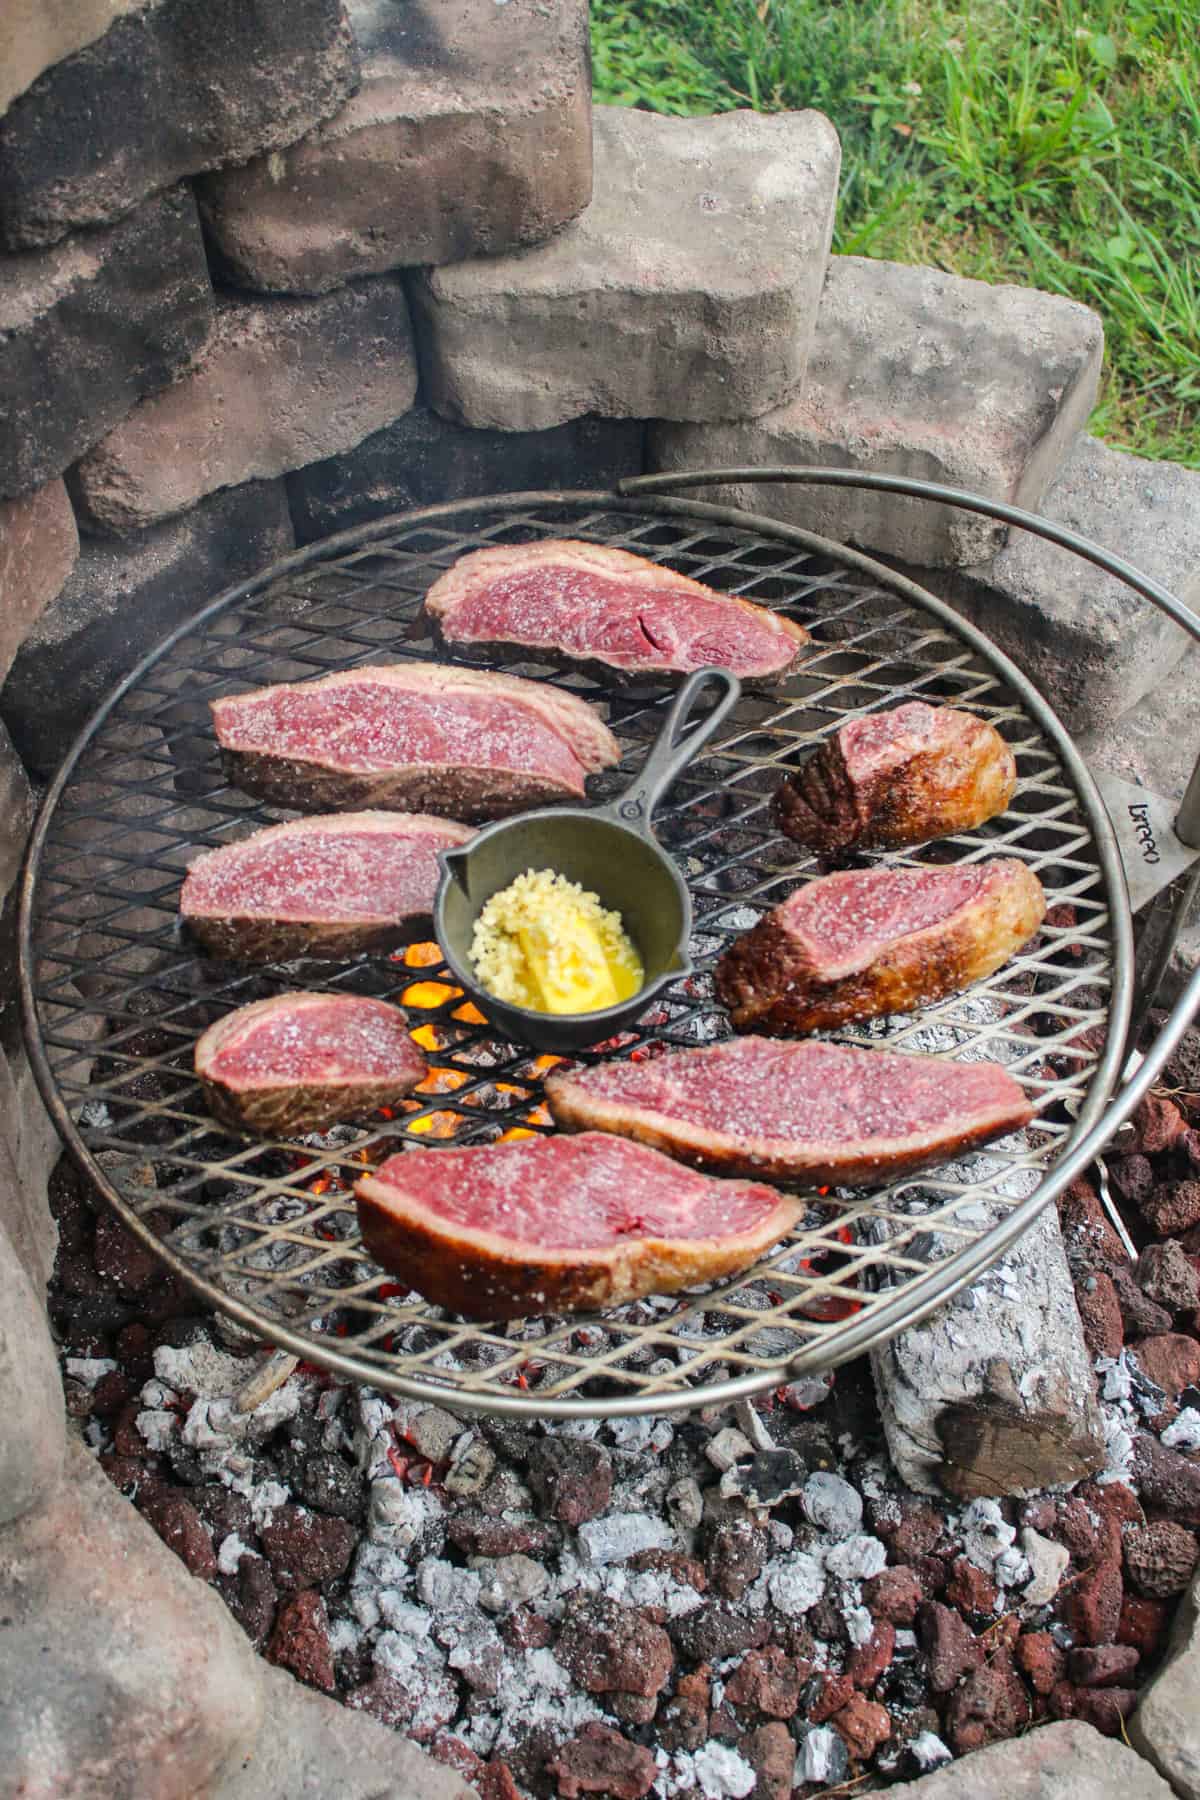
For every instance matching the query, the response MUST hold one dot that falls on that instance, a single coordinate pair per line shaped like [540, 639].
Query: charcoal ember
[572, 1477]
[1171, 1361]
[471, 1467]
[1164, 1272]
[1106, 1665]
[834, 1692]
[252, 1598]
[1144, 1624]
[970, 1589]
[123, 1259]
[305, 1548]
[1100, 1313]
[327, 1483]
[1140, 1315]
[633, 1709]
[186, 1463]
[737, 1549]
[863, 1726]
[772, 1755]
[895, 1594]
[515, 1443]
[1089, 1238]
[300, 1641]
[78, 1398]
[610, 1648]
[949, 1643]
[991, 1704]
[1167, 1480]
[1092, 1607]
[1106, 1709]
[1156, 1125]
[509, 1581]
[772, 1477]
[1160, 1558]
[712, 1632]
[766, 1681]
[598, 1760]
[902, 1686]
[225, 1512]
[1133, 1177]
[525, 1629]
[112, 1392]
[1041, 1660]
[477, 1534]
[181, 1528]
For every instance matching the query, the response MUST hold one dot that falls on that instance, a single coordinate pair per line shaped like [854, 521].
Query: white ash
[534, 1690]
[795, 1583]
[507, 1582]
[822, 1757]
[641, 1433]
[929, 1751]
[859, 1625]
[158, 1427]
[200, 1369]
[156, 1394]
[618, 1536]
[89, 1369]
[985, 1533]
[266, 1497]
[782, 1536]
[830, 1503]
[728, 1447]
[95, 1436]
[1183, 1433]
[720, 1771]
[856, 1558]
[1011, 1568]
[401, 1516]
[1118, 1377]
[373, 1433]
[685, 1503]
[1047, 1564]
[444, 1587]
[231, 1552]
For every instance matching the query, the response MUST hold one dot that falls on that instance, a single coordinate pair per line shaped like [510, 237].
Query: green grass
[1039, 141]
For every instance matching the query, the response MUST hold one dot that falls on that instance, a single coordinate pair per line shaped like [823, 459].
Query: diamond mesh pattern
[269, 1231]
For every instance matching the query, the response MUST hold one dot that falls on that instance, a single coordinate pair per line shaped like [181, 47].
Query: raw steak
[614, 613]
[329, 886]
[560, 1224]
[894, 778]
[870, 941]
[812, 1112]
[456, 742]
[304, 1062]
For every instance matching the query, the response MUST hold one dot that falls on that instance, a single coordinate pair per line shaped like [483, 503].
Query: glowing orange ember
[470, 1013]
[437, 1125]
[442, 1081]
[422, 956]
[429, 993]
[513, 1133]
[426, 1036]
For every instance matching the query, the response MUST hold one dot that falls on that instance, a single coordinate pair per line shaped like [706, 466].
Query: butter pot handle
[676, 744]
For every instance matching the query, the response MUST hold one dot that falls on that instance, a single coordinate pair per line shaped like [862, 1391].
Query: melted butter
[546, 944]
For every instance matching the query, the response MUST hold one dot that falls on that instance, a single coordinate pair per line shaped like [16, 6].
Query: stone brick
[33, 1431]
[422, 459]
[1070, 1761]
[166, 91]
[90, 326]
[34, 34]
[39, 545]
[278, 384]
[30, 1147]
[124, 595]
[470, 136]
[687, 289]
[914, 372]
[1164, 1727]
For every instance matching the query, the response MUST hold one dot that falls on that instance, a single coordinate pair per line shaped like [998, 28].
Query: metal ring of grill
[115, 996]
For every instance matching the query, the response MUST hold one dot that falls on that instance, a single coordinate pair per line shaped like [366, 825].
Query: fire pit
[115, 997]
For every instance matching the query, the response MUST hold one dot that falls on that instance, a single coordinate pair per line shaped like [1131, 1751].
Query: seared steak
[894, 778]
[304, 1062]
[869, 941]
[614, 613]
[456, 742]
[813, 1112]
[560, 1224]
[329, 886]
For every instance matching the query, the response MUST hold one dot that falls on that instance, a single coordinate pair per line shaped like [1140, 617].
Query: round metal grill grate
[267, 1231]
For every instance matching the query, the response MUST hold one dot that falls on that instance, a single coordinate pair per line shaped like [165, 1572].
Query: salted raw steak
[888, 779]
[304, 1062]
[560, 1224]
[610, 611]
[863, 942]
[330, 886]
[424, 736]
[814, 1112]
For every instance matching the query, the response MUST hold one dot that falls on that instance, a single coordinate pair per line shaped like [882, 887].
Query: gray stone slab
[166, 91]
[422, 459]
[278, 384]
[32, 1146]
[688, 289]
[470, 135]
[1166, 1725]
[36, 33]
[125, 594]
[33, 1422]
[39, 545]
[1053, 1762]
[919, 373]
[90, 326]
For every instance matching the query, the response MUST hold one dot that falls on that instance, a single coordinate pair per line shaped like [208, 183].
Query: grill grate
[268, 1232]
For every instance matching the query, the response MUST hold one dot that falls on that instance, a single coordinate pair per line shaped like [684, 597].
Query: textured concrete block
[688, 289]
[1056, 1762]
[471, 135]
[38, 547]
[1166, 1725]
[33, 1437]
[423, 459]
[89, 327]
[168, 90]
[122, 597]
[278, 384]
[914, 372]
[36, 33]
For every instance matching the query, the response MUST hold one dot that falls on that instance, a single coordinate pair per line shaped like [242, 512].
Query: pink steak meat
[583, 603]
[304, 1062]
[863, 942]
[813, 1112]
[901, 777]
[426, 736]
[329, 886]
[560, 1224]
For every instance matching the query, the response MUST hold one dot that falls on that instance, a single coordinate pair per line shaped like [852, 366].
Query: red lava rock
[1090, 1240]
[991, 1704]
[127, 1440]
[1100, 1313]
[894, 1594]
[1144, 1624]
[598, 1760]
[711, 1633]
[300, 1641]
[836, 1691]
[1039, 1515]
[1160, 1558]
[1167, 1480]
[970, 1590]
[949, 1643]
[305, 1549]
[133, 1474]
[684, 1569]
[496, 1782]
[1077, 1529]
[683, 1723]
[611, 1648]
[573, 1477]
[252, 1598]
[1132, 1176]
[1172, 1361]
[862, 1726]
[1104, 1708]
[866, 1662]
[112, 1392]
[634, 1709]
[723, 1725]
[120, 1258]
[1105, 1666]
[1166, 1273]
[1156, 1125]
[1043, 1663]
[919, 1530]
[766, 1681]
[526, 1630]
[1140, 1315]
[181, 1528]
[1093, 1606]
[1114, 1506]
[1173, 1208]
[479, 1535]
[452, 1753]
[771, 1753]
[931, 1572]
[737, 1549]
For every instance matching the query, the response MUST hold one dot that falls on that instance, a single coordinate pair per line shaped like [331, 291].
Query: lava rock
[862, 1726]
[1164, 1272]
[611, 1648]
[305, 1549]
[1168, 1481]
[1105, 1666]
[478, 1535]
[572, 1477]
[1144, 1624]
[1171, 1361]
[1093, 1606]
[329, 1484]
[1140, 1315]
[1043, 1662]
[766, 1681]
[598, 1760]
[300, 1641]
[252, 1598]
[1091, 1242]
[682, 1723]
[1133, 1177]
[867, 1662]
[1160, 1558]
[711, 1633]
[1172, 1207]
[1105, 1709]
[1157, 1124]
[970, 1590]
[917, 1533]
[180, 1526]
[991, 1704]
[772, 1755]
[948, 1642]
[895, 1594]
[121, 1258]
[1100, 1314]
[737, 1550]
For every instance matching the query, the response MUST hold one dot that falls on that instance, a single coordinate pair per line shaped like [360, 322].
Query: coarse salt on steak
[888, 779]
[815, 1112]
[328, 886]
[457, 742]
[304, 1062]
[862, 942]
[560, 1224]
[584, 603]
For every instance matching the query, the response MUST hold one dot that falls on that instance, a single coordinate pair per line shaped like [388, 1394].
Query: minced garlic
[546, 944]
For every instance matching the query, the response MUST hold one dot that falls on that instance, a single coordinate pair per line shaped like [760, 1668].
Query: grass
[1045, 142]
